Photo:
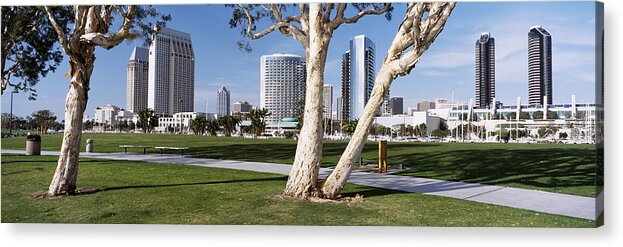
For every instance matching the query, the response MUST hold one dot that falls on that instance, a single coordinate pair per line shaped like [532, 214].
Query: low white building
[105, 115]
[180, 122]
[432, 121]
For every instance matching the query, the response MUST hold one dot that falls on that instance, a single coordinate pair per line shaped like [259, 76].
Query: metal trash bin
[89, 146]
[33, 144]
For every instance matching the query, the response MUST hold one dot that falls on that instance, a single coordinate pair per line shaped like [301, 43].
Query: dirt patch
[45, 195]
[340, 199]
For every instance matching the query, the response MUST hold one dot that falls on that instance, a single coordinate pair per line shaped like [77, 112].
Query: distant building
[425, 105]
[179, 122]
[386, 107]
[344, 101]
[282, 85]
[397, 105]
[327, 100]
[242, 107]
[137, 81]
[222, 102]
[442, 103]
[485, 70]
[539, 66]
[171, 86]
[356, 89]
[339, 111]
[106, 114]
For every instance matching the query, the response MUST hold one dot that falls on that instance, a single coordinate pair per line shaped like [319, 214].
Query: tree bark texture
[303, 178]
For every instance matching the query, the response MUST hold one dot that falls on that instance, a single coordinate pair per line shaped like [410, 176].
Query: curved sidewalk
[540, 201]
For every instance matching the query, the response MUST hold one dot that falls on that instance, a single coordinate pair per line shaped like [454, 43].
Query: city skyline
[446, 67]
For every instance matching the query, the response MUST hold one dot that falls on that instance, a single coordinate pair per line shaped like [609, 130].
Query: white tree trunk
[303, 178]
[64, 180]
[333, 184]
[416, 32]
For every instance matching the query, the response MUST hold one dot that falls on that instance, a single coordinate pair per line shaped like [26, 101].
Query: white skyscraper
[171, 73]
[361, 58]
[222, 102]
[282, 85]
[327, 100]
[138, 67]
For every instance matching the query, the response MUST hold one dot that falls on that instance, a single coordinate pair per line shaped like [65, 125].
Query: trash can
[33, 144]
[89, 145]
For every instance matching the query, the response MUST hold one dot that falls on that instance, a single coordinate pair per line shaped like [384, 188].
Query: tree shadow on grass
[543, 168]
[189, 184]
[372, 192]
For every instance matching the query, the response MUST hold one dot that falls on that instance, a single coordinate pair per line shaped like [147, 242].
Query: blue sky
[446, 67]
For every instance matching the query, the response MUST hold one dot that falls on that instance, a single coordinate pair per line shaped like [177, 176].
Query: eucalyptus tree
[91, 28]
[313, 28]
[422, 23]
[28, 45]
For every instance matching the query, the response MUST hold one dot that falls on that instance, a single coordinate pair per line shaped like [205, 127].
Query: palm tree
[198, 125]
[229, 124]
[258, 120]
[212, 126]
[350, 126]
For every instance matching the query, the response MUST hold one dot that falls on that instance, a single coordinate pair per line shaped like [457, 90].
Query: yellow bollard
[382, 156]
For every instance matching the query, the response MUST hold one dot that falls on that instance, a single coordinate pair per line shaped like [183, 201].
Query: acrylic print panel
[479, 114]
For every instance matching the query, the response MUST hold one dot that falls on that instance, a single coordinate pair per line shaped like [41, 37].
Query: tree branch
[339, 18]
[285, 27]
[106, 41]
[60, 31]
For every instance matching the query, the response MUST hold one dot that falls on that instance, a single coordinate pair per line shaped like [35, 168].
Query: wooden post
[382, 156]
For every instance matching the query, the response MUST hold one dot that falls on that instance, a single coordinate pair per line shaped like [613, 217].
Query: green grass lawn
[139, 192]
[559, 168]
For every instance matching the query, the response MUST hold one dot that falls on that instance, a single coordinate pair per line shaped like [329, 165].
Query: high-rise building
[327, 100]
[539, 66]
[222, 102]
[282, 85]
[136, 91]
[485, 70]
[171, 73]
[344, 101]
[359, 60]
[425, 105]
[397, 105]
[386, 106]
[339, 110]
[242, 107]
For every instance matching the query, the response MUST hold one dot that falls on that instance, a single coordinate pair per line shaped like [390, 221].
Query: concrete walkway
[540, 201]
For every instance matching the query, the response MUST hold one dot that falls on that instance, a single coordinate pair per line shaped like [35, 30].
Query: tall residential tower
[539, 66]
[171, 73]
[485, 70]
[357, 83]
[222, 102]
[138, 68]
[327, 100]
[282, 85]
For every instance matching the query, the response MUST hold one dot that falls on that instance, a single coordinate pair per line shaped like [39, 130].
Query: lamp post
[11, 119]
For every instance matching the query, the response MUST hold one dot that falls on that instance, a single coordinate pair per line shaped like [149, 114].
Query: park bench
[172, 148]
[125, 148]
